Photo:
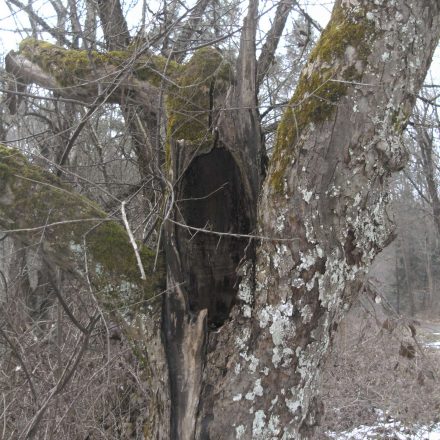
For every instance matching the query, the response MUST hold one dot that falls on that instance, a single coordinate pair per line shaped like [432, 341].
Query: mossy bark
[203, 162]
[33, 200]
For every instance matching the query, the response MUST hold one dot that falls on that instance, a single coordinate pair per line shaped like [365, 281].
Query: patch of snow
[387, 427]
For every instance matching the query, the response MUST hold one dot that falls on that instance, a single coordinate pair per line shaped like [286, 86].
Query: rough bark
[216, 175]
[114, 24]
[326, 191]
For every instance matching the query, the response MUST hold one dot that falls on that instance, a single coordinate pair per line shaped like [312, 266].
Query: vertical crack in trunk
[203, 279]
[212, 198]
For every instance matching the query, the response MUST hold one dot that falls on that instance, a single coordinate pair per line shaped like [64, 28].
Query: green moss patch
[320, 90]
[204, 78]
[192, 88]
[33, 198]
[73, 67]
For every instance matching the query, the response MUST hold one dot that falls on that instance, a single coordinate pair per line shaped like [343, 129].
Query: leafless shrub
[380, 363]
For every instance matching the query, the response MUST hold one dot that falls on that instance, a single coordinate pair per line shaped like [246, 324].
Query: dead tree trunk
[244, 349]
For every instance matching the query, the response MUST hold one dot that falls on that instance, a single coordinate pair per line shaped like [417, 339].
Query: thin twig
[22, 363]
[230, 234]
[64, 222]
[132, 241]
[62, 382]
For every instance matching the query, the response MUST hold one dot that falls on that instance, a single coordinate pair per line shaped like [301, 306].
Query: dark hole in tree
[212, 197]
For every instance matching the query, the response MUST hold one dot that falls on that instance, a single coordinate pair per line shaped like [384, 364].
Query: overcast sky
[11, 24]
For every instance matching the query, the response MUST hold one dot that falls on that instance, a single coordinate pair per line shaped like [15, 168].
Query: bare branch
[56, 33]
[132, 241]
[64, 379]
[267, 54]
[21, 362]
[184, 38]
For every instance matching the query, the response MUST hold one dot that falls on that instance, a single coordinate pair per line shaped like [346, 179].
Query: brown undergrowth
[381, 363]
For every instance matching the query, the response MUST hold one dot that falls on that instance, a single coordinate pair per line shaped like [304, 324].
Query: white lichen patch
[237, 368]
[258, 424]
[372, 228]
[239, 432]
[274, 425]
[265, 316]
[280, 221]
[306, 314]
[76, 248]
[246, 311]
[256, 392]
[385, 56]
[293, 405]
[242, 340]
[310, 232]
[307, 195]
[276, 356]
[253, 363]
[307, 260]
[297, 282]
[282, 260]
[282, 355]
[333, 282]
[237, 398]
[281, 328]
[245, 292]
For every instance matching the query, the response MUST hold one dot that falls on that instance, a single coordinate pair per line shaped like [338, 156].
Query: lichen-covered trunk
[324, 204]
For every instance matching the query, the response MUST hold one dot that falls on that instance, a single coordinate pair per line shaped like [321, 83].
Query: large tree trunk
[244, 348]
[324, 206]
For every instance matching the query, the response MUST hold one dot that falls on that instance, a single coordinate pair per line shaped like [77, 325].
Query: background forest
[62, 379]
